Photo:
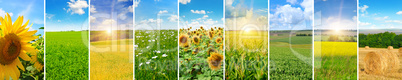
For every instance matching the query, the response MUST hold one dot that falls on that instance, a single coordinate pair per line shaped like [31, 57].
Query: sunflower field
[21, 51]
[201, 53]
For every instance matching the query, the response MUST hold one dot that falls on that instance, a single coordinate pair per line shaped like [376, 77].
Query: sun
[109, 31]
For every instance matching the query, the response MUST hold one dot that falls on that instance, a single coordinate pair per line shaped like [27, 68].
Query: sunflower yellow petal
[29, 33]
[19, 64]
[24, 56]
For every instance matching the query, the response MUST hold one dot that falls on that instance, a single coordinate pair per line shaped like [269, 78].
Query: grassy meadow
[246, 55]
[156, 54]
[201, 54]
[66, 55]
[111, 58]
[290, 55]
[335, 57]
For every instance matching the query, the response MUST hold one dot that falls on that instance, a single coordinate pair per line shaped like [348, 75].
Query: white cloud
[173, 18]
[205, 16]
[93, 19]
[122, 0]
[399, 12]
[394, 21]
[108, 21]
[3, 13]
[130, 8]
[49, 16]
[198, 11]
[338, 23]
[308, 9]
[93, 9]
[363, 8]
[163, 11]
[292, 1]
[209, 11]
[184, 1]
[137, 2]
[287, 15]
[151, 21]
[381, 18]
[58, 20]
[77, 7]
[122, 16]
[364, 23]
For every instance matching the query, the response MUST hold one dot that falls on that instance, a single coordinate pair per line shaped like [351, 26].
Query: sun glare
[109, 31]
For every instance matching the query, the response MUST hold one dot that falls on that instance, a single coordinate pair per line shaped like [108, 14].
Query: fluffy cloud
[363, 8]
[292, 1]
[163, 11]
[130, 8]
[286, 16]
[198, 11]
[151, 21]
[136, 2]
[2, 12]
[308, 9]
[77, 7]
[394, 21]
[93, 9]
[381, 18]
[184, 1]
[173, 18]
[49, 16]
[122, 0]
[364, 23]
[93, 19]
[399, 12]
[108, 21]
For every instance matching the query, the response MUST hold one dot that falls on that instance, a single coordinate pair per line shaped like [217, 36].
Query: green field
[246, 55]
[162, 45]
[66, 55]
[285, 64]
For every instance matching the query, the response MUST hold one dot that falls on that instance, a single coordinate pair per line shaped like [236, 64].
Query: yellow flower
[14, 44]
[211, 34]
[211, 50]
[184, 40]
[196, 50]
[218, 40]
[215, 60]
[196, 40]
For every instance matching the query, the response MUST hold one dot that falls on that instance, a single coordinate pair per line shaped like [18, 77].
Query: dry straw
[400, 51]
[367, 47]
[381, 62]
[390, 48]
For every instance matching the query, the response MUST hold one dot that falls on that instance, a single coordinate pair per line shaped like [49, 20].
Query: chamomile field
[246, 55]
[156, 54]
[291, 55]
[201, 53]
[66, 55]
[111, 58]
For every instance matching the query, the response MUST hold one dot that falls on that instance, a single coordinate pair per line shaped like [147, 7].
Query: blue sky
[32, 10]
[291, 14]
[111, 15]
[150, 13]
[380, 14]
[335, 14]
[196, 13]
[246, 14]
[66, 15]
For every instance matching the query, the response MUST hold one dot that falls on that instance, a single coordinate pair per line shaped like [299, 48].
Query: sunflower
[218, 40]
[211, 34]
[196, 40]
[211, 50]
[215, 60]
[14, 44]
[196, 50]
[184, 40]
[38, 65]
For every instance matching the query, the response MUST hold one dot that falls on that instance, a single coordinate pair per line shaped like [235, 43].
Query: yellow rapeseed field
[335, 48]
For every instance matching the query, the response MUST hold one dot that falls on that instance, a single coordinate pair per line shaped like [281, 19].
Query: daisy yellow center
[11, 50]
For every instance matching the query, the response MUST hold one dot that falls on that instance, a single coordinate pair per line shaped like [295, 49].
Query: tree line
[380, 40]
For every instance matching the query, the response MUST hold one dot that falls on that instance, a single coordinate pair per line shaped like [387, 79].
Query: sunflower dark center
[183, 40]
[11, 50]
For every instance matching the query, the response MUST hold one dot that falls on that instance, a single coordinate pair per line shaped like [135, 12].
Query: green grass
[285, 64]
[150, 43]
[66, 56]
[336, 67]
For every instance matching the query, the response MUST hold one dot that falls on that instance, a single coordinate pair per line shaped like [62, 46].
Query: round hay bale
[381, 62]
[390, 48]
[367, 47]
